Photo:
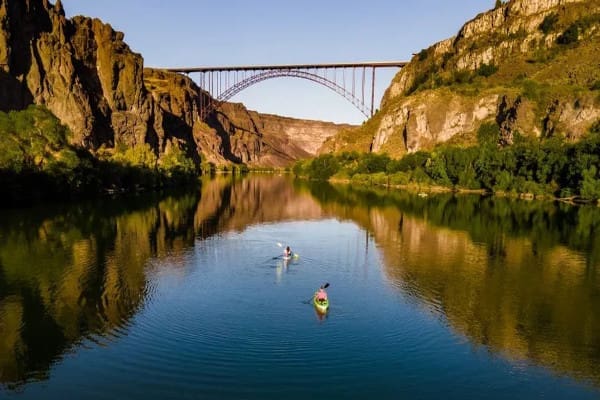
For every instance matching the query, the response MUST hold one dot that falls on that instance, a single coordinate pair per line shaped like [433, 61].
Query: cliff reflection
[78, 273]
[517, 277]
[233, 205]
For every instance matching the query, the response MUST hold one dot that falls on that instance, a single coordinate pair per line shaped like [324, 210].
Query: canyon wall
[84, 72]
[531, 67]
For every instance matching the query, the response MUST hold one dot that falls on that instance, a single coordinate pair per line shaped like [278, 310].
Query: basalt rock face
[85, 74]
[529, 66]
[80, 69]
[232, 133]
[262, 139]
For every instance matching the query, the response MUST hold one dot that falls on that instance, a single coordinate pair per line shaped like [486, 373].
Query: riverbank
[424, 190]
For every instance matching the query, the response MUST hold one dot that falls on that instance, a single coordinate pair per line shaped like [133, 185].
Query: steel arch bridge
[353, 81]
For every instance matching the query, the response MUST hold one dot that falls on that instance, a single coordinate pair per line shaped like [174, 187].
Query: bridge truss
[353, 81]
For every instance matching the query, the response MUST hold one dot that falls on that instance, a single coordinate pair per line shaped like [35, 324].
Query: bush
[488, 133]
[323, 167]
[34, 140]
[409, 162]
[590, 185]
[175, 164]
[371, 162]
[570, 35]
[436, 169]
[462, 76]
[595, 128]
[399, 178]
[140, 155]
[418, 175]
[487, 70]
[548, 23]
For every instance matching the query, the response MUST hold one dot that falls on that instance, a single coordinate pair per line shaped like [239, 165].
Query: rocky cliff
[233, 133]
[529, 66]
[84, 72]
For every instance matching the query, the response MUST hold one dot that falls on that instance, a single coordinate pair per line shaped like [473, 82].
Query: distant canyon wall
[84, 72]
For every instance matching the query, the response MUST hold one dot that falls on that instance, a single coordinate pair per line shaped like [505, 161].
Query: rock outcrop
[85, 74]
[513, 65]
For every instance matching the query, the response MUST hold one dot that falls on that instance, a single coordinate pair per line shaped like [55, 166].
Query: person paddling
[321, 294]
[287, 252]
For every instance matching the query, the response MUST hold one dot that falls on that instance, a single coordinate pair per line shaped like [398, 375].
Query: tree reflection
[78, 271]
[515, 276]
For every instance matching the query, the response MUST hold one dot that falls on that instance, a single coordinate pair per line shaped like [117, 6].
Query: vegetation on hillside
[551, 167]
[569, 29]
[558, 71]
[36, 160]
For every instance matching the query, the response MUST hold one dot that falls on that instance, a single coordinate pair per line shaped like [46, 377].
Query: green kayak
[321, 305]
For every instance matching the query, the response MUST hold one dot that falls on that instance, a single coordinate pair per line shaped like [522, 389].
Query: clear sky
[172, 33]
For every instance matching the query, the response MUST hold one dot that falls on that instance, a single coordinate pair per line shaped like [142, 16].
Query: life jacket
[321, 295]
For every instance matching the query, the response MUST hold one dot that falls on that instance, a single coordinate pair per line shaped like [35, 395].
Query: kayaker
[287, 252]
[321, 294]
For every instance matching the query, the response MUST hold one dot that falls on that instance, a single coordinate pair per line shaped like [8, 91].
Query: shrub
[577, 28]
[462, 76]
[488, 133]
[323, 167]
[362, 179]
[175, 164]
[399, 178]
[590, 185]
[140, 155]
[548, 23]
[371, 162]
[418, 175]
[436, 169]
[503, 181]
[487, 70]
[595, 128]
[409, 162]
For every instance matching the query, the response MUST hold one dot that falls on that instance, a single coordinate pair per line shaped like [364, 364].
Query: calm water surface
[187, 296]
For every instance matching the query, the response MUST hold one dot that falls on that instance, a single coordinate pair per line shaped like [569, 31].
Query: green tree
[323, 167]
[436, 169]
[174, 163]
[590, 185]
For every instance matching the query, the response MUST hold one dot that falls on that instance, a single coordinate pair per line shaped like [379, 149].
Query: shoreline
[424, 190]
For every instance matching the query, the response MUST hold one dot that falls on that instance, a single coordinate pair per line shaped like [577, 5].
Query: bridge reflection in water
[518, 278]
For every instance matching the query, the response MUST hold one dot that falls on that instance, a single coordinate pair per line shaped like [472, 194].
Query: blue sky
[232, 32]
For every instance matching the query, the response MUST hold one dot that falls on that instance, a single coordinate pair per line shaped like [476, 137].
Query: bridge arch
[273, 74]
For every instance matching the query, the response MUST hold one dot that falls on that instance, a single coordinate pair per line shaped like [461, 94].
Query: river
[186, 295]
